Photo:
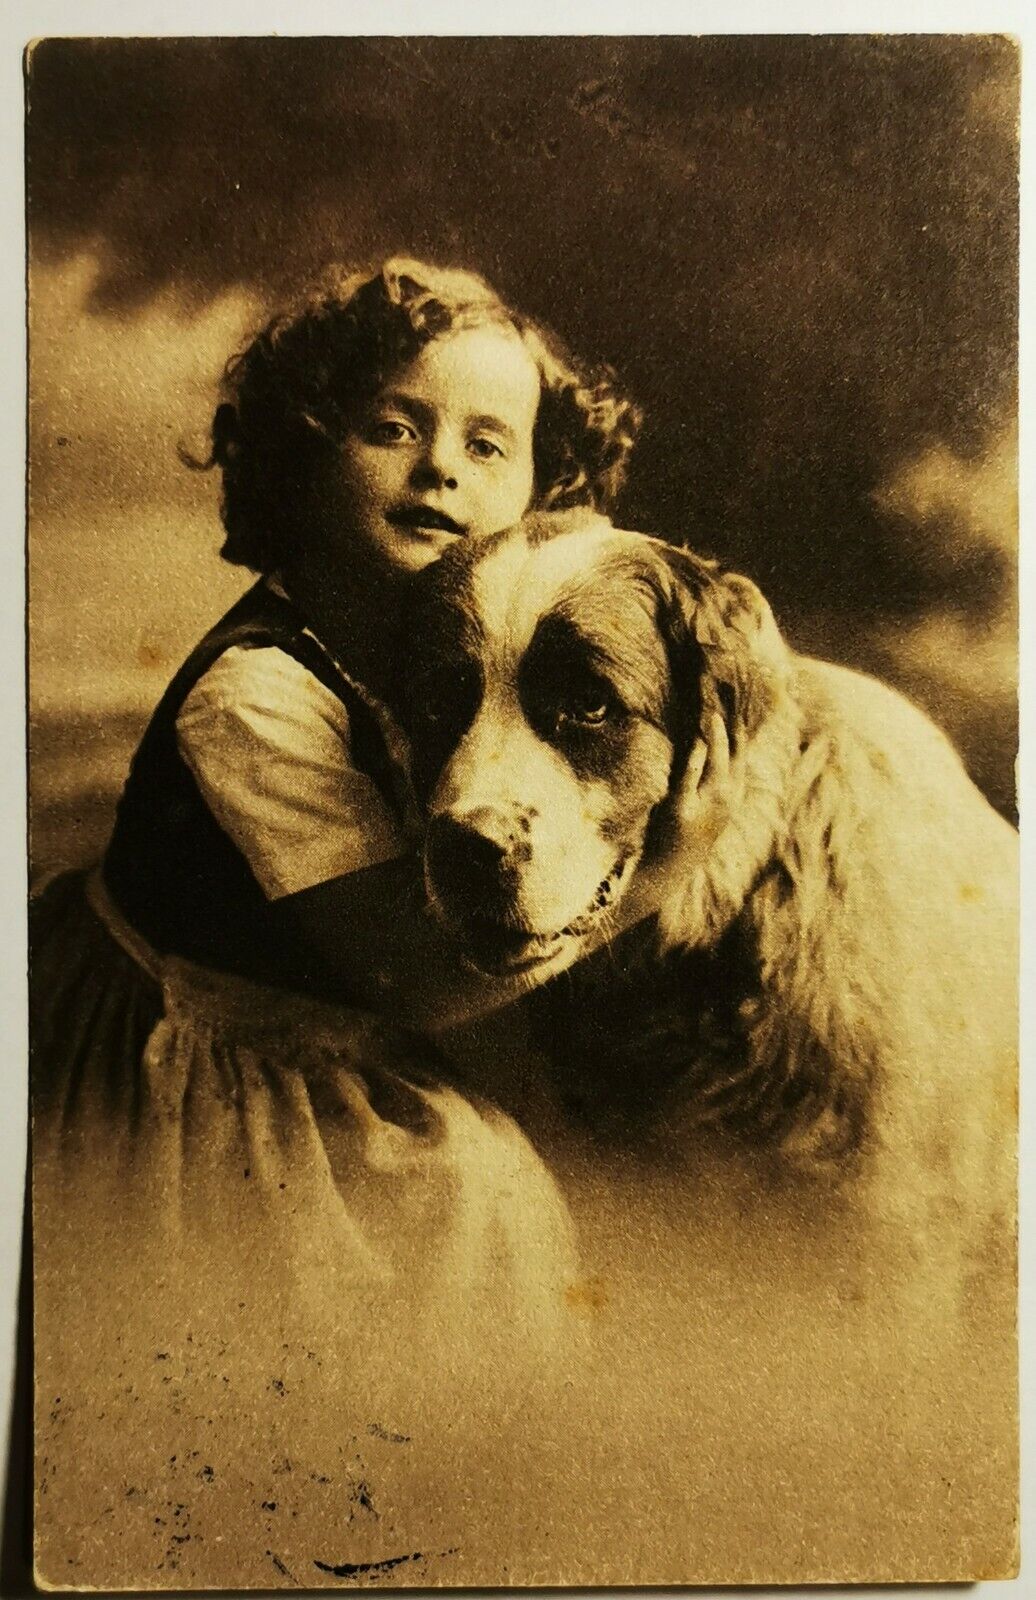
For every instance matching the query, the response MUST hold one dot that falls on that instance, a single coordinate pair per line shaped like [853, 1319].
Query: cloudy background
[800, 253]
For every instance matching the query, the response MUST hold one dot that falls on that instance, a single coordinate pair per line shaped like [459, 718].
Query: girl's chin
[422, 547]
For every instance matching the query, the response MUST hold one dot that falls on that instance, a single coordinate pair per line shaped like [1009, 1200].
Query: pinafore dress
[219, 1139]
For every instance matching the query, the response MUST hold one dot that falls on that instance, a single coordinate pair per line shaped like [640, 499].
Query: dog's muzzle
[473, 861]
[473, 867]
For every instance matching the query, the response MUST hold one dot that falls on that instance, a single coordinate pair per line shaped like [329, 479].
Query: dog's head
[556, 683]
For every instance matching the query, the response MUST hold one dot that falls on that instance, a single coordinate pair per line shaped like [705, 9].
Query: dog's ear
[722, 630]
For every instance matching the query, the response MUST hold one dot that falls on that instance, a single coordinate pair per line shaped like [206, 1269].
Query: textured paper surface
[801, 256]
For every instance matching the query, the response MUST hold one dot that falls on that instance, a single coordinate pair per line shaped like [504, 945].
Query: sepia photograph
[522, 639]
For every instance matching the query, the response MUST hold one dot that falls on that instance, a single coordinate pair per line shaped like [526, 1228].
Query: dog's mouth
[500, 949]
[418, 518]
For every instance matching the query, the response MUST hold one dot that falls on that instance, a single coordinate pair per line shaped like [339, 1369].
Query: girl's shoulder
[263, 620]
[261, 660]
[277, 760]
[259, 695]
[265, 691]
[262, 669]
[256, 778]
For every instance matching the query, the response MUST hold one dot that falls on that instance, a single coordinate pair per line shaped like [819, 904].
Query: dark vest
[171, 869]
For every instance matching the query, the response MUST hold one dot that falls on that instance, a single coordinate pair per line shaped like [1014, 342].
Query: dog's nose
[469, 855]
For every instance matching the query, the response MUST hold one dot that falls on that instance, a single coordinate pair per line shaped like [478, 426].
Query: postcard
[522, 725]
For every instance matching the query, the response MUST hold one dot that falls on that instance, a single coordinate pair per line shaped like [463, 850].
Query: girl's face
[443, 452]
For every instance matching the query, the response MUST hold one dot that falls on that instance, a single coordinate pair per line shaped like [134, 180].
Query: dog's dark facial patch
[608, 639]
[441, 662]
[571, 702]
[594, 684]
[443, 703]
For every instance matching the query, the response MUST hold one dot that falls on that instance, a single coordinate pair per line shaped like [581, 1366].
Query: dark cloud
[801, 252]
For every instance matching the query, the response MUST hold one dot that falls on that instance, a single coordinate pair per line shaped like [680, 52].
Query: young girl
[199, 1070]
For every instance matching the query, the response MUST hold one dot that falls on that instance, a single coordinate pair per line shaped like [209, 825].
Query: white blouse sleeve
[269, 748]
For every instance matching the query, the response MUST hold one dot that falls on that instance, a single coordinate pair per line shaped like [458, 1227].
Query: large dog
[602, 724]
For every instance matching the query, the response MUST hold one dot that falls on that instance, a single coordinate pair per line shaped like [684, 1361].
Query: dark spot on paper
[206, 1474]
[277, 1385]
[376, 1431]
[269, 1505]
[161, 1355]
[587, 1296]
[279, 1564]
[349, 1569]
[248, 1172]
[600, 100]
[148, 654]
[362, 1496]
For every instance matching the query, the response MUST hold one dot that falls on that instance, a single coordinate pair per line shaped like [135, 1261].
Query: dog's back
[933, 870]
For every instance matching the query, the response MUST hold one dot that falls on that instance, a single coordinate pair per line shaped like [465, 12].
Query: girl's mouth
[419, 518]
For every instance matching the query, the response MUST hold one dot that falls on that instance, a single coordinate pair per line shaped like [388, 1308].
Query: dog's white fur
[833, 833]
[880, 889]
[846, 844]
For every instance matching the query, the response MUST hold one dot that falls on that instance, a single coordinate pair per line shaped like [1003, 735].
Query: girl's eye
[484, 448]
[390, 430]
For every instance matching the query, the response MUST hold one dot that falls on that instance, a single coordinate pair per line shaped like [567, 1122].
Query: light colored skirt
[212, 1110]
[266, 1229]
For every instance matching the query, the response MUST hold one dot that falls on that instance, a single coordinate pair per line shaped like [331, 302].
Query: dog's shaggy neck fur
[758, 922]
[735, 1026]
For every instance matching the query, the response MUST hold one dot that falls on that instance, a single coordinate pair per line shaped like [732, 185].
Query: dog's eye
[584, 711]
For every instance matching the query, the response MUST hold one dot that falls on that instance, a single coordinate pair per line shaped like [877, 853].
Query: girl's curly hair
[293, 391]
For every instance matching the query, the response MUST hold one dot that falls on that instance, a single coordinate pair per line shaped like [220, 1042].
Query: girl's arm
[269, 748]
[374, 936]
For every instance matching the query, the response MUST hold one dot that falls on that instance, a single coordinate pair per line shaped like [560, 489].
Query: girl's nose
[437, 467]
